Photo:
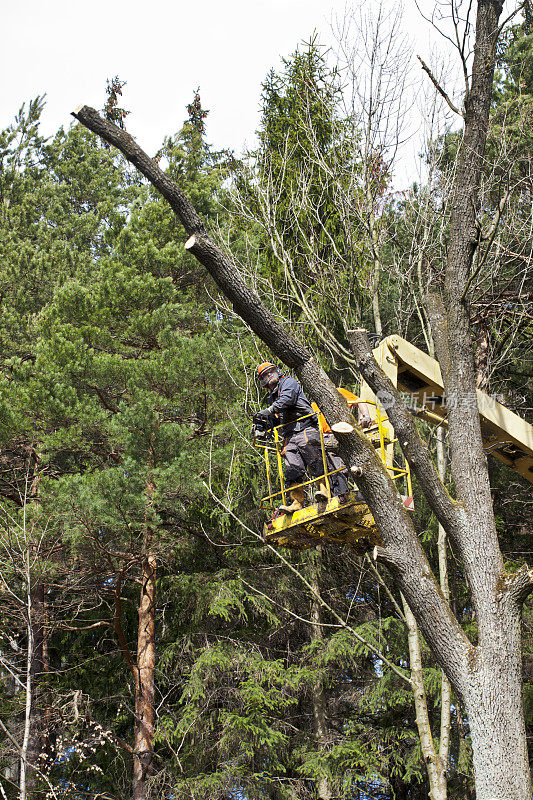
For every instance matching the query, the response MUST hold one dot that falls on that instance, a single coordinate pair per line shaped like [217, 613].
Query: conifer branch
[312, 590]
[117, 625]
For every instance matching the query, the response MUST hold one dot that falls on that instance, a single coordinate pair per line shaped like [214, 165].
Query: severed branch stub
[517, 586]
[342, 427]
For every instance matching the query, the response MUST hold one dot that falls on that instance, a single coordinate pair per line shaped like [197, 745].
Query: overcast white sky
[164, 50]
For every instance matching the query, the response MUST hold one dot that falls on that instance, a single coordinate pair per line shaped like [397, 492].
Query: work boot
[298, 500]
[321, 494]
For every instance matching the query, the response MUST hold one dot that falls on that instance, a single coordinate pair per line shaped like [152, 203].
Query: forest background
[151, 644]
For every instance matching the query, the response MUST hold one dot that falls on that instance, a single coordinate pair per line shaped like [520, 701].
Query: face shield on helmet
[267, 375]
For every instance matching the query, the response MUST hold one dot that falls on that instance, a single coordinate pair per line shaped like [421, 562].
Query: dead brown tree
[485, 673]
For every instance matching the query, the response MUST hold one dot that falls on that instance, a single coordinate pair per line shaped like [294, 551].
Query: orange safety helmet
[262, 371]
[263, 367]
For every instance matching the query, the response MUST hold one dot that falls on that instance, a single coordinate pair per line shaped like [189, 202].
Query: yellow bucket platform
[335, 522]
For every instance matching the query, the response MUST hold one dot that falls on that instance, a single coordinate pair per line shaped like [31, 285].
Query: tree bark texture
[487, 676]
[143, 752]
[145, 681]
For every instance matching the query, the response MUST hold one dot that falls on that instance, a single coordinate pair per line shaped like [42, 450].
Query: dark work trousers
[303, 453]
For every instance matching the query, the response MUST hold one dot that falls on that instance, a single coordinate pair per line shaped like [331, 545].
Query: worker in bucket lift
[301, 438]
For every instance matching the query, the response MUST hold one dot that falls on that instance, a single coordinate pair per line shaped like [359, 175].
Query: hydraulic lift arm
[506, 436]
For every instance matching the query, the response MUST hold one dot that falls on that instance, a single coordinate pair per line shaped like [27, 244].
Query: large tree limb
[401, 549]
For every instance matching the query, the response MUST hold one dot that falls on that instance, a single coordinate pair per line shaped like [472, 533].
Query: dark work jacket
[287, 403]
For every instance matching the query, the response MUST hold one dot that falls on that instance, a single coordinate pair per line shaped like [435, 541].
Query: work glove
[365, 422]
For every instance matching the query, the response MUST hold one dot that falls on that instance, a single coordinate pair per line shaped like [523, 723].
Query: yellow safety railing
[275, 447]
[278, 450]
[394, 472]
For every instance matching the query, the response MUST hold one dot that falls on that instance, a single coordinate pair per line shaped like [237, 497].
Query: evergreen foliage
[124, 406]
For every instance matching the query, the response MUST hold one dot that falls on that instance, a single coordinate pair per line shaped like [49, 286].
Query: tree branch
[438, 87]
[489, 238]
[383, 583]
[101, 624]
[103, 399]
